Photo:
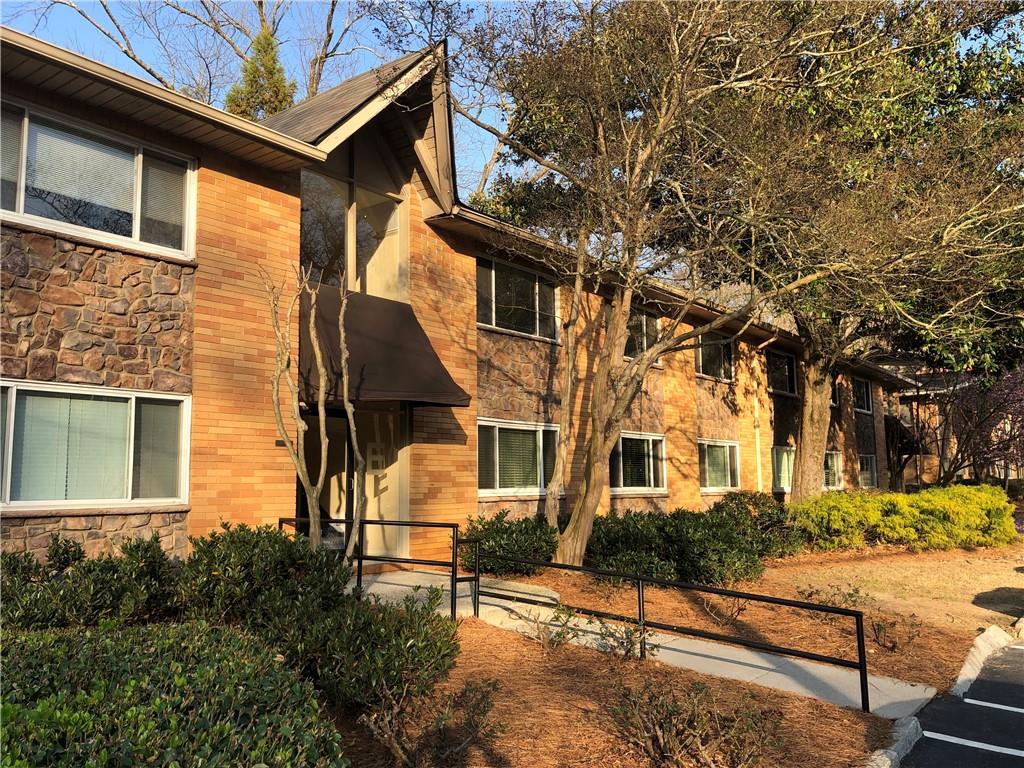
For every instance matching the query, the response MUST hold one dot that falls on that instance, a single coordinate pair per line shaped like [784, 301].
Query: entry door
[381, 436]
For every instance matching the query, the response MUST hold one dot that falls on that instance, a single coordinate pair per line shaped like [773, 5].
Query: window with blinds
[833, 470]
[867, 476]
[82, 446]
[515, 299]
[782, 467]
[637, 463]
[84, 179]
[513, 458]
[719, 466]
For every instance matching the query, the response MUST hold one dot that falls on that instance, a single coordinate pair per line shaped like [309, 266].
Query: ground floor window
[637, 463]
[868, 476]
[514, 457]
[719, 465]
[833, 470]
[92, 444]
[782, 467]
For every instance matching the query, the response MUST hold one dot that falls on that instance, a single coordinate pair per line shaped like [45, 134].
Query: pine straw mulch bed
[931, 645]
[552, 706]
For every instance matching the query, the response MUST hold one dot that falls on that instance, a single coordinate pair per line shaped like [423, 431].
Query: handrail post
[358, 549]
[455, 572]
[476, 578]
[862, 664]
[640, 617]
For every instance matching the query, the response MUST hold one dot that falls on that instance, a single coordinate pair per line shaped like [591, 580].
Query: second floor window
[514, 458]
[78, 178]
[637, 462]
[714, 356]
[642, 330]
[515, 299]
[862, 395]
[781, 372]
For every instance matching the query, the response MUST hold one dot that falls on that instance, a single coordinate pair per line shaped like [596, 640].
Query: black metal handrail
[360, 556]
[643, 623]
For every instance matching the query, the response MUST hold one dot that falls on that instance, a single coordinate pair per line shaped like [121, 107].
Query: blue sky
[66, 28]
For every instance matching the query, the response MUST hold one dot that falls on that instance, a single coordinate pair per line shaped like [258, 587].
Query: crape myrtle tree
[618, 126]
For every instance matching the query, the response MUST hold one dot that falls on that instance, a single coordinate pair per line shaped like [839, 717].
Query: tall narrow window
[833, 470]
[719, 466]
[514, 458]
[642, 330]
[782, 467]
[714, 356]
[868, 477]
[637, 463]
[378, 268]
[781, 372]
[81, 179]
[515, 299]
[862, 395]
[156, 468]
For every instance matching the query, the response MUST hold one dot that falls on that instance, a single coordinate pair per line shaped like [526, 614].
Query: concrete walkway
[890, 698]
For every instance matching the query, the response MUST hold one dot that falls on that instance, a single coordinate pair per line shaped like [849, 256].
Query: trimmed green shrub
[616, 534]
[530, 538]
[640, 563]
[765, 519]
[363, 651]
[186, 694]
[238, 571]
[936, 518]
[135, 587]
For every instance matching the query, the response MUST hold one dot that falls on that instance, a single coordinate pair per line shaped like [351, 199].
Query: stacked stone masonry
[97, 533]
[79, 314]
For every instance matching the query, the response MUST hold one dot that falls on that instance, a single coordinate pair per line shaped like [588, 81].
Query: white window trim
[874, 470]
[538, 275]
[538, 428]
[782, 488]
[639, 490]
[871, 397]
[185, 255]
[795, 390]
[839, 471]
[720, 489]
[184, 445]
[730, 343]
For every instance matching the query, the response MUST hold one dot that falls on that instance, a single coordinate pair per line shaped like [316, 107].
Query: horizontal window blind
[156, 449]
[10, 157]
[163, 201]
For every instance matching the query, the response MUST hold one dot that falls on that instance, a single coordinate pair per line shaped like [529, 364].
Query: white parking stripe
[1007, 707]
[975, 744]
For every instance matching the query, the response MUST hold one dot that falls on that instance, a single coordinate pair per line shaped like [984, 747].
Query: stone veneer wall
[84, 315]
[80, 314]
[98, 533]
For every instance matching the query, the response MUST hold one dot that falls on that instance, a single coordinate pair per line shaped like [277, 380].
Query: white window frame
[187, 254]
[874, 470]
[739, 477]
[538, 276]
[792, 358]
[184, 445]
[727, 343]
[646, 315]
[536, 427]
[839, 471]
[871, 396]
[775, 466]
[637, 490]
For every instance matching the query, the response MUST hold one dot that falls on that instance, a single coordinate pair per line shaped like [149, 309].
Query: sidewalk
[890, 698]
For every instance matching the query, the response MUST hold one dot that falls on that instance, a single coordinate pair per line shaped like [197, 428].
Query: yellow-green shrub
[936, 518]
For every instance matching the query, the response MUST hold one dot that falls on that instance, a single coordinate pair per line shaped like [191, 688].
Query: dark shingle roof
[312, 119]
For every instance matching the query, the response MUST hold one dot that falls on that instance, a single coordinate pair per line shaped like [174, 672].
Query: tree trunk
[812, 433]
[313, 511]
[572, 543]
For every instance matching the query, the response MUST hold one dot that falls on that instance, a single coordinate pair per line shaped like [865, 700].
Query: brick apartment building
[137, 347]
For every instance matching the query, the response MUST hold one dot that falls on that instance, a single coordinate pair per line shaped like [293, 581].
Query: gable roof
[313, 119]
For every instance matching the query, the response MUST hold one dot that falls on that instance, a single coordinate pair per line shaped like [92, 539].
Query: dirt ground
[930, 605]
[553, 708]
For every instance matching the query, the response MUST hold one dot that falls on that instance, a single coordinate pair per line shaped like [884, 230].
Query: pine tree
[264, 90]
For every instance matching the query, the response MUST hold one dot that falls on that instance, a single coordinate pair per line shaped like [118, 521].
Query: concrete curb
[985, 644]
[905, 733]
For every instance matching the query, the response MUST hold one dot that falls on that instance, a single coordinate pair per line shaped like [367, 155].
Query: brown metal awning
[390, 356]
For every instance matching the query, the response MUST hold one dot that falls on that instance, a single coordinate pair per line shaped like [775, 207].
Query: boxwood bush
[162, 694]
[530, 538]
[936, 518]
[136, 586]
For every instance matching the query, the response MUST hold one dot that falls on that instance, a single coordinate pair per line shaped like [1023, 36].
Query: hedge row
[936, 518]
[162, 694]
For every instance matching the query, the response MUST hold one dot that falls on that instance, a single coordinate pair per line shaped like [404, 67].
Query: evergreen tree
[264, 90]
